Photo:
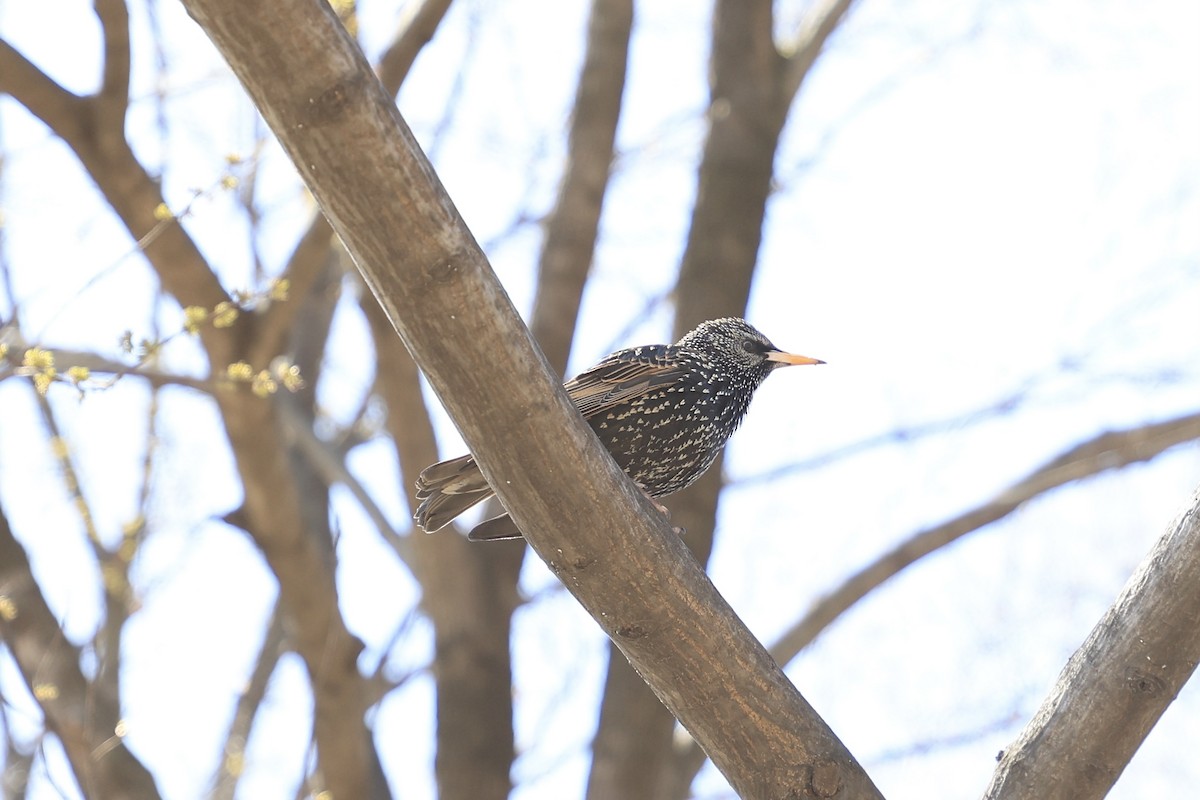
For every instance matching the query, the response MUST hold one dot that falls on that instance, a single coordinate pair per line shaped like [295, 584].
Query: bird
[663, 412]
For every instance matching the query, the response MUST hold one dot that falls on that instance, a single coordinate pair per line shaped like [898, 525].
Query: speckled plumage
[663, 411]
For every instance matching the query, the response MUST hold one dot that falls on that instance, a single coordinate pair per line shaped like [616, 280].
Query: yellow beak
[789, 359]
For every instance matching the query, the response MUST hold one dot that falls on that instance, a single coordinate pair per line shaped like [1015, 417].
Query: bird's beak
[788, 359]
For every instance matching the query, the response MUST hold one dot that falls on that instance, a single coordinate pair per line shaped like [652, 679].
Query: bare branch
[112, 100]
[420, 23]
[572, 226]
[133, 194]
[85, 721]
[331, 467]
[468, 593]
[804, 48]
[59, 109]
[748, 108]
[1117, 685]
[315, 254]
[318, 244]
[233, 754]
[1110, 450]
[896, 436]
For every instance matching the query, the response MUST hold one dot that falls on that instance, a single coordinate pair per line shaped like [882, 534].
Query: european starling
[663, 411]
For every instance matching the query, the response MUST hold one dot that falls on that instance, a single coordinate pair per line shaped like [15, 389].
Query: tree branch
[630, 571]
[1107, 451]
[86, 722]
[420, 23]
[233, 754]
[318, 246]
[112, 99]
[1117, 685]
[60, 110]
[572, 225]
[804, 48]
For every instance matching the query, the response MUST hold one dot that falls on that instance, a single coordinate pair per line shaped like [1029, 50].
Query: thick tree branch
[85, 721]
[314, 253]
[630, 571]
[1117, 685]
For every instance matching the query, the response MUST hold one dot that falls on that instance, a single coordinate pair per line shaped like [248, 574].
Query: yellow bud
[42, 381]
[264, 384]
[194, 317]
[239, 371]
[225, 314]
[279, 289]
[37, 358]
[45, 691]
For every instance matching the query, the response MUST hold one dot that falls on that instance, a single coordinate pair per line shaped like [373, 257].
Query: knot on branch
[1143, 682]
[826, 779]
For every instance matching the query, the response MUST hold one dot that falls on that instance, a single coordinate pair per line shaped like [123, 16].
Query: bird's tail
[447, 489]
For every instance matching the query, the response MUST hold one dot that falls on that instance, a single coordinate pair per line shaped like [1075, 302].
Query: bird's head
[734, 341]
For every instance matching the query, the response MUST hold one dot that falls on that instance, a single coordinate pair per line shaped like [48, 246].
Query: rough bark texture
[343, 133]
[1117, 685]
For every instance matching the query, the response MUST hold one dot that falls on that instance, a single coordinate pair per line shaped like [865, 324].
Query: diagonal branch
[233, 754]
[316, 250]
[60, 110]
[1117, 685]
[420, 23]
[1110, 450]
[630, 570]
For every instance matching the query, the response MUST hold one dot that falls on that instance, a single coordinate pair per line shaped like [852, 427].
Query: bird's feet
[666, 512]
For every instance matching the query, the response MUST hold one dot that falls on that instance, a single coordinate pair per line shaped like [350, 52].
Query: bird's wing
[622, 376]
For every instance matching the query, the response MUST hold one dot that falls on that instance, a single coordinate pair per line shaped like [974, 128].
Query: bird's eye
[749, 346]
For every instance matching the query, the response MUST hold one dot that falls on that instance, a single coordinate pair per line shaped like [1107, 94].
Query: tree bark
[629, 570]
[1117, 685]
